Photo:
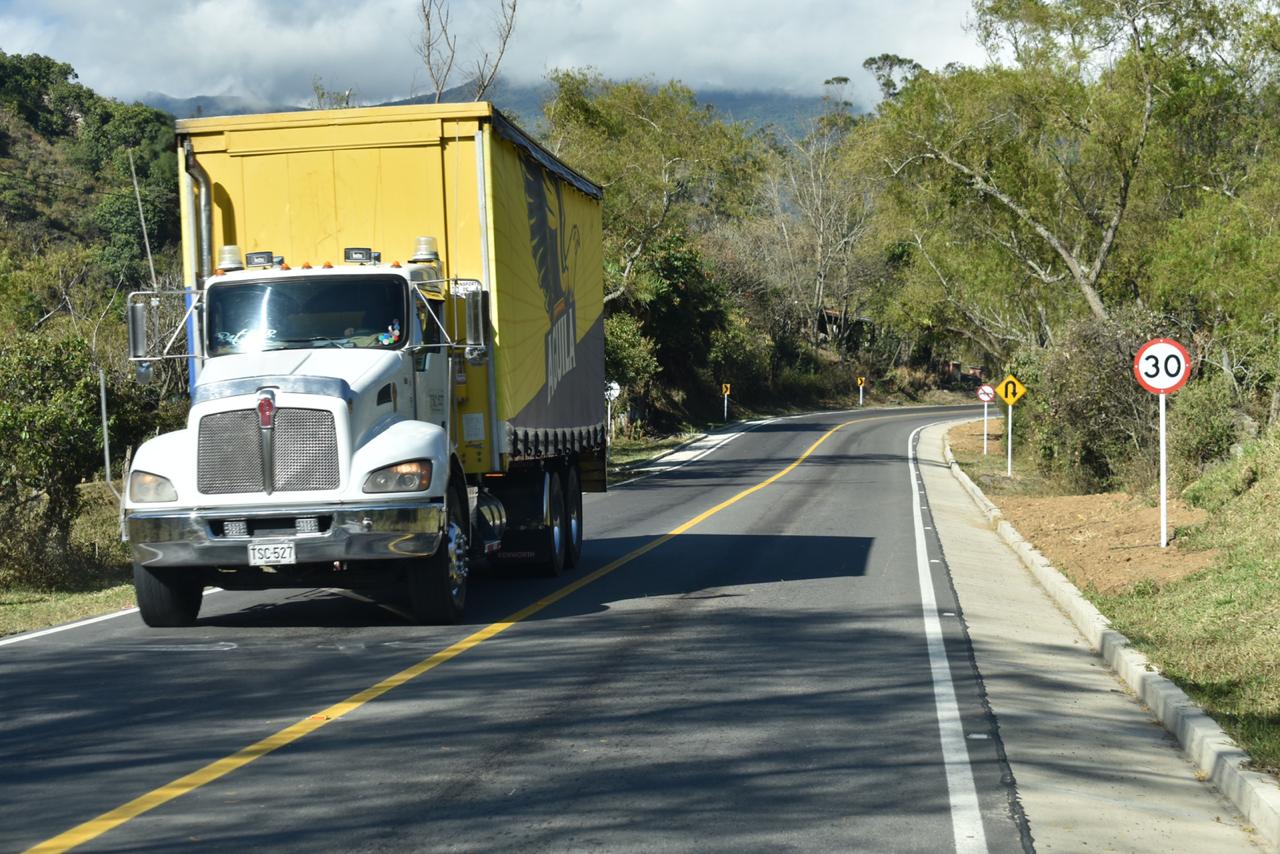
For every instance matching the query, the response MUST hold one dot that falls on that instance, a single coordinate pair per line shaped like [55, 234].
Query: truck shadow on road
[685, 566]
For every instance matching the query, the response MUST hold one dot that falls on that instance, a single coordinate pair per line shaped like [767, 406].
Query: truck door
[431, 366]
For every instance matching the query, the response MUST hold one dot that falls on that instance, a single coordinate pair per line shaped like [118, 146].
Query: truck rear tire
[438, 584]
[573, 518]
[168, 597]
[555, 534]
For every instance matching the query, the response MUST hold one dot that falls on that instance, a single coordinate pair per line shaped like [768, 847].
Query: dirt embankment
[1108, 542]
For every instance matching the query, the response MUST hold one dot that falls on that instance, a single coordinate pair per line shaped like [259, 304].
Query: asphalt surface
[759, 682]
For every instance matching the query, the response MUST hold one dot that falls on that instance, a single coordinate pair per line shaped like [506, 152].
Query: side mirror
[143, 373]
[137, 330]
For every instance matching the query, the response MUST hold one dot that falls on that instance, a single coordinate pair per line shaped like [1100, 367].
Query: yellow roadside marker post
[861, 382]
[725, 388]
[1010, 391]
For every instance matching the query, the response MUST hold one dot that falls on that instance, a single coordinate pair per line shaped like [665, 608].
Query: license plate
[271, 554]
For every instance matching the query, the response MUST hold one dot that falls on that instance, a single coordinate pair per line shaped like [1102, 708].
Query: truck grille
[229, 458]
[306, 453]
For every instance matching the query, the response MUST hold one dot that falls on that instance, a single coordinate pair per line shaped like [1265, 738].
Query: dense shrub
[629, 358]
[1202, 426]
[1093, 424]
[912, 382]
[49, 442]
[740, 356]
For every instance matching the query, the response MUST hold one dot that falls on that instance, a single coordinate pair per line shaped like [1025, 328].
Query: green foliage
[1094, 425]
[1202, 426]
[739, 355]
[671, 166]
[687, 308]
[1221, 484]
[628, 355]
[49, 440]
[42, 92]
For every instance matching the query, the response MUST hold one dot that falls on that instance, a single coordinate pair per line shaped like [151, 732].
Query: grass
[93, 579]
[989, 471]
[1215, 633]
[627, 454]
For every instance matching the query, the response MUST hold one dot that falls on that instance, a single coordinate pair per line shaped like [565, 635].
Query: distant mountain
[212, 105]
[788, 113]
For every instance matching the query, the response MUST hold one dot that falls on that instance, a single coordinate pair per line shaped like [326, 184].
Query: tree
[438, 47]
[324, 98]
[821, 205]
[669, 166]
[891, 72]
[1057, 149]
[49, 439]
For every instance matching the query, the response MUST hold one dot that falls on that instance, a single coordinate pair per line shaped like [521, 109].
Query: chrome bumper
[356, 532]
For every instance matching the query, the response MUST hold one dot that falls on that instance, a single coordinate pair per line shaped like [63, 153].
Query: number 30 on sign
[1162, 366]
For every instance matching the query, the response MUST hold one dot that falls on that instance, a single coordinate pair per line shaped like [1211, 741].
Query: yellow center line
[219, 768]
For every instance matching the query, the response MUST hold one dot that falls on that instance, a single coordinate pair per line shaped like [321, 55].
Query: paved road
[769, 678]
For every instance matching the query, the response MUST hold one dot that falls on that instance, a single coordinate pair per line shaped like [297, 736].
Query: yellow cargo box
[504, 211]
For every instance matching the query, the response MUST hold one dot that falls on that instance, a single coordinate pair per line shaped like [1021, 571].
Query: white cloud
[271, 49]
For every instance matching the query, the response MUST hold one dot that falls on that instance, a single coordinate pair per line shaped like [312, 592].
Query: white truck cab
[318, 440]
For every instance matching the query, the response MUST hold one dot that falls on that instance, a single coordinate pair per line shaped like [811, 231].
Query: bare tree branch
[437, 47]
[486, 68]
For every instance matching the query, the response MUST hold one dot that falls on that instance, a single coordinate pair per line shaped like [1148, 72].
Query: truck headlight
[145, 487]
[411, 476]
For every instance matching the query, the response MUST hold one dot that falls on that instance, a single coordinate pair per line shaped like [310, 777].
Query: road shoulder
[1093, 769]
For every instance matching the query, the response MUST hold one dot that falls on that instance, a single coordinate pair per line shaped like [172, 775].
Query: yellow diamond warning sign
[1010, 390]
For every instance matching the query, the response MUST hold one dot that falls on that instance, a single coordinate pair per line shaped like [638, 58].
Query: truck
[393, 323]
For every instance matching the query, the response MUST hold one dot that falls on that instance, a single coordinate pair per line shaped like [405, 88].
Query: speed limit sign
[1162, 366]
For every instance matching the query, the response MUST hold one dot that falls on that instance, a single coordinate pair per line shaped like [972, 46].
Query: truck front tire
[168, 597]
[438, 584]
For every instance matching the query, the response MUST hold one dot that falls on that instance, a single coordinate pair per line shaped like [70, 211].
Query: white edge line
[726, 439]
[966, 817]
[78, 623]
[752, 425]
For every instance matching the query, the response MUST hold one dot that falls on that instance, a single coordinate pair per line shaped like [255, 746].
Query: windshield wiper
[335, 342]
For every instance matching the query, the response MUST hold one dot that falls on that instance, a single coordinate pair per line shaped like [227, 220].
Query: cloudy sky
[271, 49]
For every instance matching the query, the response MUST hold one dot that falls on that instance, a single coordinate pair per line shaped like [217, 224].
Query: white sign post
[1162, 366]
[861, 382]
[611, 392]
[1010, 391]
[986, 394]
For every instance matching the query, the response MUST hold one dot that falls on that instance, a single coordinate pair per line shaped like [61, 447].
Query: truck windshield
[301, 313]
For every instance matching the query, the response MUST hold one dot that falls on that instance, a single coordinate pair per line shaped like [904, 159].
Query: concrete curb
[1220, 759]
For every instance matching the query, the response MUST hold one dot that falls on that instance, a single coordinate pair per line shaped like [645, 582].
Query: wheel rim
[458, 566]
[575, 523]
[557, 531]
